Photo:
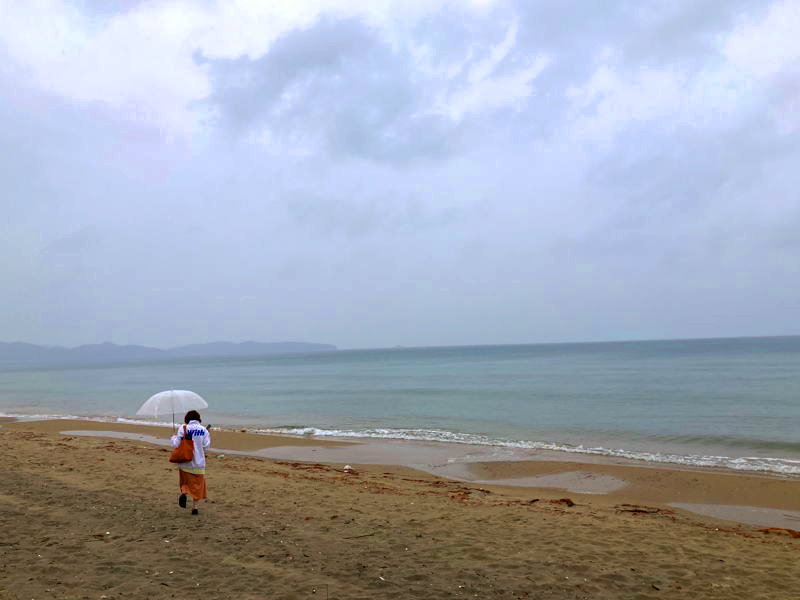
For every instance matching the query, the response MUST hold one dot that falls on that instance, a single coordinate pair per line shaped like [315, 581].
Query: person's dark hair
[192, 415]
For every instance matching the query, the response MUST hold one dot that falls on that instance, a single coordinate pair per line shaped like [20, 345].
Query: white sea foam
[743, 463]
[52, 417]
[143, 422]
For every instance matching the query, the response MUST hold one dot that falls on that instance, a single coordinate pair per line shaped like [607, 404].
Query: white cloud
[765, 48]
[766, 55]
[485, 88]
[139, 63]
[491, 93]
[142, 61]
[612, 99]
[484, 68]
[756, 60]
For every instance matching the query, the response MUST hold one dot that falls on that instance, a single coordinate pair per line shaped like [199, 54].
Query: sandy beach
[94, 516]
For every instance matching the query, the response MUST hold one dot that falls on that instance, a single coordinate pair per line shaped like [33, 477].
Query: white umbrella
[171, 401]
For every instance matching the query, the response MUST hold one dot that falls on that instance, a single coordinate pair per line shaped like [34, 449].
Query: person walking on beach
[192, 474]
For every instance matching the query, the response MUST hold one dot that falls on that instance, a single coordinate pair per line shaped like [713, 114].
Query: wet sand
[87, 517]
[618, 479]
[751, 515]
[647, 483]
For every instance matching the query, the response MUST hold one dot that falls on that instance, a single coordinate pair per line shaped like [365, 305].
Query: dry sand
[94, 517]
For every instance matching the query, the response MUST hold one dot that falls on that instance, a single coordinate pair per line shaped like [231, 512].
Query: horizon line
[431, 346]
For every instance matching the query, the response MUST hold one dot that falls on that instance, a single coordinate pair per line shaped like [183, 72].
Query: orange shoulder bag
[185, 450]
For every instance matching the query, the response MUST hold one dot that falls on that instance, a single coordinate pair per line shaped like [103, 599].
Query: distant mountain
[109, 351]
[20, 352]
[247, 349]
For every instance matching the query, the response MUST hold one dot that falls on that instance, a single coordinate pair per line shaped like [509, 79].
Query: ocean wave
[783, 466]
[142, 422]
[53, 417]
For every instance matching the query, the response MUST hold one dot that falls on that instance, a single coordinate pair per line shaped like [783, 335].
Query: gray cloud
[337, 86]
[365, 183]
[385, 214]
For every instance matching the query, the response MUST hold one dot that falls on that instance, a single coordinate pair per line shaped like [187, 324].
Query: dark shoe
[195, 511]
[182, 500]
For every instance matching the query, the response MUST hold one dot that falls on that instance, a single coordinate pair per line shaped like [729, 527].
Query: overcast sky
[419, 172]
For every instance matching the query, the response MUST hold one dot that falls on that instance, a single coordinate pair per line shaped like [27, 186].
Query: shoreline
[768, 499]
[494, 449]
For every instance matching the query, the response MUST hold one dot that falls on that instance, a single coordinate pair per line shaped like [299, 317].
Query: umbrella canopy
[171, 402]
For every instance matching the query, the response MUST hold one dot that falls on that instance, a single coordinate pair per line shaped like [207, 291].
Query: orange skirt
[194, 485]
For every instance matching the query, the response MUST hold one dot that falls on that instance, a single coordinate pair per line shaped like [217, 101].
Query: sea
[731, 403]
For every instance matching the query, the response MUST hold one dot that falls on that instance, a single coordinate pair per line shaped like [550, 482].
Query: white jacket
[201, 439]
